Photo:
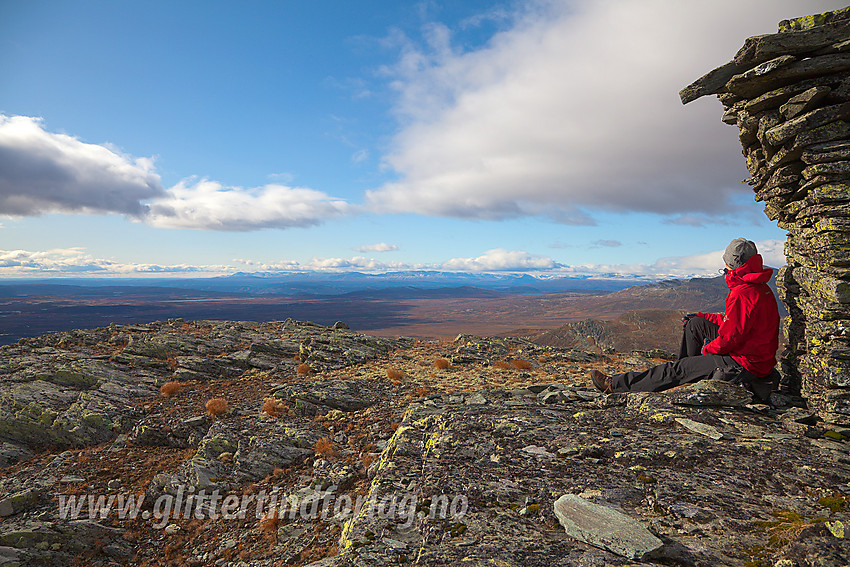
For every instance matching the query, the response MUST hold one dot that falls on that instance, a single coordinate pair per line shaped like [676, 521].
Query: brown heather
[325, 447]
[272, 407]
[304, 368]
[395, 374]
[170, 388]
[216, 407]
[442, 363]
[269, 523]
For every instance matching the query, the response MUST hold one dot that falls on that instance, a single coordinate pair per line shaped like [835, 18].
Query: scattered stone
[476, 399]
[538, 451]
[701, 428]
[20, 501]
[344, 395]
[711, 393]
[604, 527]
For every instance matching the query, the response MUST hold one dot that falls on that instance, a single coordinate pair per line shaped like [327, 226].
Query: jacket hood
[752, 272]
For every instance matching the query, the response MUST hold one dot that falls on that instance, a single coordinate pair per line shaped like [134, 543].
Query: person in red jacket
[739, 345]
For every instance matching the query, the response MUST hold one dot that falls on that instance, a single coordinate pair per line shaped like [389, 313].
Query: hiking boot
[601, 381]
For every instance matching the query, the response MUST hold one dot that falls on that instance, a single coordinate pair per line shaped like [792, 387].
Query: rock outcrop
[479, 451]
[789, 95]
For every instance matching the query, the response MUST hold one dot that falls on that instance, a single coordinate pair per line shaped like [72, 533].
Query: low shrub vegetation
[216, 407]
[170, 388]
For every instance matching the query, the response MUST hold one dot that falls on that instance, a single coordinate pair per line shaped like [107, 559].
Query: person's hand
[687, 318]
[704, 344]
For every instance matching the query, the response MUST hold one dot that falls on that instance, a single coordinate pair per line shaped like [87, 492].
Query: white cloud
[208, 205]
[360, 156]
[76, 261]
[574, 109]
[706, 264]
[772, 252]
[43, 172]
[498, 260]
[380, 247]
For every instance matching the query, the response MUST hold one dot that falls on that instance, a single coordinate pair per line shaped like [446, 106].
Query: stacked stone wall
[789, 95]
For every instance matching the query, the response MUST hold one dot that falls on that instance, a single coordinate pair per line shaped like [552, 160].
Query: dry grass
[503, 365]
[520, 364]
[269, 523]
[325, 447]
[304, 368]
[273, 408]
[442, 363]
[170, 388]
[395, 374]
[216, 407]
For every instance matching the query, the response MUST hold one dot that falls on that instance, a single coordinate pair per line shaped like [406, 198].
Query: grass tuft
[304, 368]
[273, 408]
[170, 388]
[216, 407]
[325, 447]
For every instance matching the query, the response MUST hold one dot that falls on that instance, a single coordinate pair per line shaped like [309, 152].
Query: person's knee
[694, 325]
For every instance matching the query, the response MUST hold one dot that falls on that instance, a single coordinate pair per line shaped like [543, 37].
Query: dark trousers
[691, 366]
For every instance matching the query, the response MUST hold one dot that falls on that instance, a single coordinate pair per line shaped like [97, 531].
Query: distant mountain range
[328, 283]
[424, 304]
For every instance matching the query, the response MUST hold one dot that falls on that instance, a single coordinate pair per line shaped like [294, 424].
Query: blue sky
[194, 138]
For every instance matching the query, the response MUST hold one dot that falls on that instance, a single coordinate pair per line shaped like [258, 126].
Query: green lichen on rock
[812, 21]
[71, 379]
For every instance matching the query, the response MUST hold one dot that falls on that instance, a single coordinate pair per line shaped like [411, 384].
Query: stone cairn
[789, 95]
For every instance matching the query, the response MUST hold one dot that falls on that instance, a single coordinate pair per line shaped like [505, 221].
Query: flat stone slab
[605, 527]
[711, 393]
[700, 428]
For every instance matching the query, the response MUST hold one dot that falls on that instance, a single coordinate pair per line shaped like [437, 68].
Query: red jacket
[749, 330]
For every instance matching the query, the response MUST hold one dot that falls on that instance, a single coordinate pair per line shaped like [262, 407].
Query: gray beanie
[739, 251]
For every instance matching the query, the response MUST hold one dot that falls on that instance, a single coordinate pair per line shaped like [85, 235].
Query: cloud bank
[44, 172]
[207, 205]
[77, 262]
[500, 260]
[573, 110]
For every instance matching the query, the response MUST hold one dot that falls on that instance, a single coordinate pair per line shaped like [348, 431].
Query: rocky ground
[287, 443]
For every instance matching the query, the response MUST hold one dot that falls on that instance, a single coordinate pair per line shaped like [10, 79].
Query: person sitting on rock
[738, 346]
